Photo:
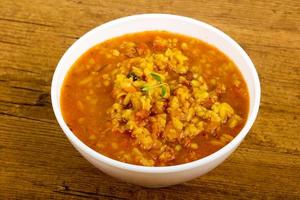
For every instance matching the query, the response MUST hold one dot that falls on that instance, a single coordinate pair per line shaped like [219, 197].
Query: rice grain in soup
[154, 98]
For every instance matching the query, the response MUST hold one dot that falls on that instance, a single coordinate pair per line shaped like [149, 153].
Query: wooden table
[38, 162]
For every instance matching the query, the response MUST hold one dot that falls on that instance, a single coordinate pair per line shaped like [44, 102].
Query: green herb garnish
[145, 88]
[163, 91]
[162, 85]
[156, 76]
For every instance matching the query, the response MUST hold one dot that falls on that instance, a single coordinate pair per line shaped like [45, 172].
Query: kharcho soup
[155, 98]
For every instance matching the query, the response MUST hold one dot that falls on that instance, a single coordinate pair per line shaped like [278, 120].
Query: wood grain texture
[38, 162]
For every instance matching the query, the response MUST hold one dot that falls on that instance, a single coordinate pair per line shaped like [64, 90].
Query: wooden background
[38, 162]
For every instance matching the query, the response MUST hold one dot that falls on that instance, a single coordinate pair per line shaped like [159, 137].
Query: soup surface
[155, 99]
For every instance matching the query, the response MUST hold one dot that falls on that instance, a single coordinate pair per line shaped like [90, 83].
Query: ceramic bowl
[157, 176]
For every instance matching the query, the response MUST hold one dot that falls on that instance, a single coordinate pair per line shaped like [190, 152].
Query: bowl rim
[161, 169]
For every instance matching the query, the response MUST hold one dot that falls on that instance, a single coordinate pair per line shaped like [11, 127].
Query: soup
[154, 98]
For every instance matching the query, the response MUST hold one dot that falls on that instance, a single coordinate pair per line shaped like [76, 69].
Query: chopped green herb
[145, 88]
[156, 76]
[163, 91]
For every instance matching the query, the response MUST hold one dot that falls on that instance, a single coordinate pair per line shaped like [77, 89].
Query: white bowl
[157, 176]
